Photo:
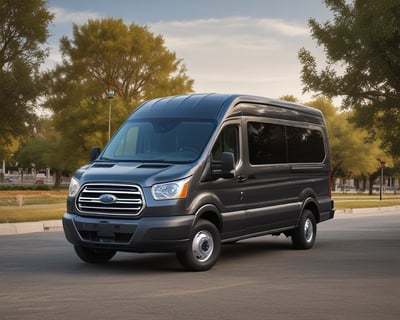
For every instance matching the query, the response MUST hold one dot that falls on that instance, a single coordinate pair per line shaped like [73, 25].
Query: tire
[204, 249]
[90, 255]
[303, 237]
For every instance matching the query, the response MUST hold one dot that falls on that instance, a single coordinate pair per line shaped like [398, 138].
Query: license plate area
[104, 232]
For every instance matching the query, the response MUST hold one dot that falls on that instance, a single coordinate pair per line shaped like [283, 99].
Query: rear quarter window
[304, 145]
[271, 143]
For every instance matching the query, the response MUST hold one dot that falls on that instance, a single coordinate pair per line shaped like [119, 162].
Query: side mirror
[228, 162]
[224, 169]
[94, 153]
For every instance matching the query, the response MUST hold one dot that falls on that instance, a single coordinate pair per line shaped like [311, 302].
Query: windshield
[160, 140]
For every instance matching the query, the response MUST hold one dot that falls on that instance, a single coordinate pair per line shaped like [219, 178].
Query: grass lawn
[31, 213]
[19, 206]
[354, 201]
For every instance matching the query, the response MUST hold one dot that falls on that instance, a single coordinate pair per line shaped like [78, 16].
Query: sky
[227, 46]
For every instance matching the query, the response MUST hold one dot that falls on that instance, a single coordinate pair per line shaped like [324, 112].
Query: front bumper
[147, 234]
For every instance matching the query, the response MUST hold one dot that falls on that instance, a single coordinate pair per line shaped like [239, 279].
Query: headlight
[73, 187]
[171, 190]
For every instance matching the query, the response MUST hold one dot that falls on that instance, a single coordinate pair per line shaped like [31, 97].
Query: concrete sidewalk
[370, 211]
[30, 227]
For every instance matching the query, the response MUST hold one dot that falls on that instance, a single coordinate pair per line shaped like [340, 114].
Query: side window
[305, 145]
[271, 143]
[228, 141]
[267, 143]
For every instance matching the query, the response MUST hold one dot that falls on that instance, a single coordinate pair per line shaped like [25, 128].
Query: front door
[228, 192]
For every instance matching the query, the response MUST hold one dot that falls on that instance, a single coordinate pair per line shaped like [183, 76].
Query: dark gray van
[187, 173]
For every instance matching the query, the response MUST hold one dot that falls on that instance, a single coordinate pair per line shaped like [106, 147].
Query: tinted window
[305, 145]
[271, 143]
[267, 143]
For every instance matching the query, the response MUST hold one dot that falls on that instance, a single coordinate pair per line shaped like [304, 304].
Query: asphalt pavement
[352, 272]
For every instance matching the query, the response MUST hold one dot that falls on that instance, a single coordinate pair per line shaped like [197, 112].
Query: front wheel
[204, 249]
[303, 237]
[90, 255]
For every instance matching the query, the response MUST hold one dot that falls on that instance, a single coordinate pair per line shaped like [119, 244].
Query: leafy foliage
[352, 153]
[362, 64]
[32, 153]
[128, 59]
[23, 33]
[106, 55]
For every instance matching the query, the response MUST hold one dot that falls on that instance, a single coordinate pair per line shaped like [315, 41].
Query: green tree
[23, 34]
[32, 153]
[42, 151]
[352, 152]
[289, 97]
[362, 64]
[105, 55]
[126, 58]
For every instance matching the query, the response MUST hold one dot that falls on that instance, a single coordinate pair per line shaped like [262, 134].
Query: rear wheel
[303, 237]
[90, 255]
[204, 249]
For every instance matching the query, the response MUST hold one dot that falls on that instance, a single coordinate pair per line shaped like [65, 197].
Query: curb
[366, 211]
[30, 227]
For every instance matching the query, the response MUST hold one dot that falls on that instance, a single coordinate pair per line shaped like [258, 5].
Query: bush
[24, 187]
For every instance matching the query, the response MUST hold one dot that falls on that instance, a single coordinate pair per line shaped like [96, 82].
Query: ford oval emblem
[108, 198]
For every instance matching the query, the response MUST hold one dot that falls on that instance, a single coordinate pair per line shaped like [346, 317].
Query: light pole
[381, 180]
[110, 95]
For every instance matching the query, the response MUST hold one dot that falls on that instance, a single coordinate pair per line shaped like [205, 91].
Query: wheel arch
[210, 213]
[311, 204]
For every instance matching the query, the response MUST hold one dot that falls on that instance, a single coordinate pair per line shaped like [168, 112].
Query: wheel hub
[203, 246]
[308, 230]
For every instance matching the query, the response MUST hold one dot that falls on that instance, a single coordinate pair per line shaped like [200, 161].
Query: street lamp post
[110, 95]
[381, 179]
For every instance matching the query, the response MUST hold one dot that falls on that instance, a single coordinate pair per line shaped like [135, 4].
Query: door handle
[240, 178]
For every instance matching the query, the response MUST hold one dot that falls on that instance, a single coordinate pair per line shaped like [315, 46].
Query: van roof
[214, 106]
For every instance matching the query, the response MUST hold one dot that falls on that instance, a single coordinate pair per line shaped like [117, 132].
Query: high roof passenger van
[186, 174]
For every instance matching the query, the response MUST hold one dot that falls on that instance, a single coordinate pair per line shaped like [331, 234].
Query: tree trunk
[364, 187]
[57, 182]
[371, 185]
[372, 179]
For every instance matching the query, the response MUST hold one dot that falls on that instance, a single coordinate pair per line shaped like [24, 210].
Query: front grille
[115, 200]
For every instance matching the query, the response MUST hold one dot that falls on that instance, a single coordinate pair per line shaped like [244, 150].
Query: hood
[143, 174]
